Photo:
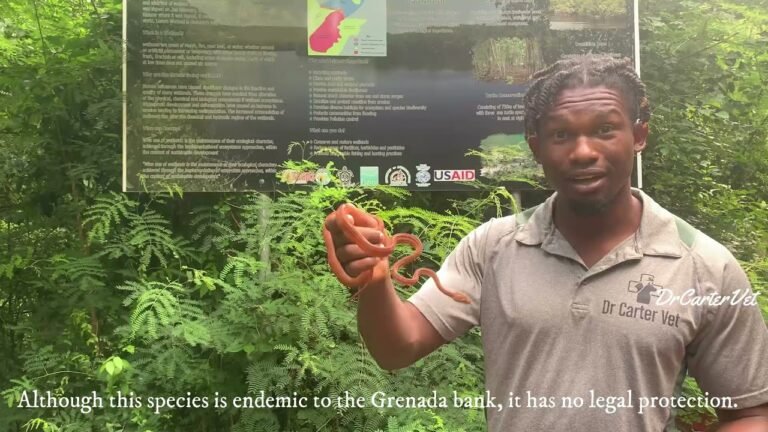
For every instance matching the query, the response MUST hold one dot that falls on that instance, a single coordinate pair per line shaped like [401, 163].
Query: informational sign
[420, 94]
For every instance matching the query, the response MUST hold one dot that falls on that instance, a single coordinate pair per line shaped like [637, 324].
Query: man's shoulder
[496, 228]
[521, 218]
[714, 261]
[709, 254]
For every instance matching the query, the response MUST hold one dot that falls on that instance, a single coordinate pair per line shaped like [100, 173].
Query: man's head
[585, 119]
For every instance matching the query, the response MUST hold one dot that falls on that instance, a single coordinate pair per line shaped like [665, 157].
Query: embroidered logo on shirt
[645, 288]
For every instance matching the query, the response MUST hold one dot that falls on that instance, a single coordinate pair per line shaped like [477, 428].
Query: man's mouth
[587, 177]
[587, 182]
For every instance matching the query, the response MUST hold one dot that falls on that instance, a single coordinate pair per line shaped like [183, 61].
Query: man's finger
[333, 225]
[372, 235]
[363, 219]
[357, 267]
[350, 252]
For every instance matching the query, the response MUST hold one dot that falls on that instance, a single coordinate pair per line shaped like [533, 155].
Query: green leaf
[723, 115]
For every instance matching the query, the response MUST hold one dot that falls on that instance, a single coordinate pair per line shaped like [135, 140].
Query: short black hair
[584, 71]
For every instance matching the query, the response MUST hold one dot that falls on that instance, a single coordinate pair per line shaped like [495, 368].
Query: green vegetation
[707, 69]
[164, 294]
[507, 158]
[708, 155]
[507, 59]
[589, 8]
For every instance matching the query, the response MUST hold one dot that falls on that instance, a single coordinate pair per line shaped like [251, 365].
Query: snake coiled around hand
[348, 216]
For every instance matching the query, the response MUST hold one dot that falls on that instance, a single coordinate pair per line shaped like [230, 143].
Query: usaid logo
[453, 175]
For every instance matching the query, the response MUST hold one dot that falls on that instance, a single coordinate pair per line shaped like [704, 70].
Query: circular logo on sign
[398, 176]
[322, 176]
[422, 175]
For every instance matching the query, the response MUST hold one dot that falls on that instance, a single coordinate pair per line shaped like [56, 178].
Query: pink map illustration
[328, 33]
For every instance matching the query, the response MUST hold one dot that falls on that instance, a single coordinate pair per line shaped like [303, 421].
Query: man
[565, 293]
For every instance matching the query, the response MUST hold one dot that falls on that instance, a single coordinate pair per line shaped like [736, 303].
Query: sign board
[221, 93]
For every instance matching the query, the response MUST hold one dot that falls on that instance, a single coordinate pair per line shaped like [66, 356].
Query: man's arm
[396, 333]
[753, 419]
[728, 356]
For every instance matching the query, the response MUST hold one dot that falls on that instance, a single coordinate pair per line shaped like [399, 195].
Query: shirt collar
[657, 235]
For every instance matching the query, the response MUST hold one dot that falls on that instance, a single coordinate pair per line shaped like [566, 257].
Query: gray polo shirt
[554, 330]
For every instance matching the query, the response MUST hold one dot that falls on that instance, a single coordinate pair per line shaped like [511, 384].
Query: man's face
[586, 145]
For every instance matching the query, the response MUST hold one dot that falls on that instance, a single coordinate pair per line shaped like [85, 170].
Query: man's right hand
[353, 259]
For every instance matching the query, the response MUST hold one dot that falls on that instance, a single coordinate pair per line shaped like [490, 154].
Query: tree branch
[40, 29]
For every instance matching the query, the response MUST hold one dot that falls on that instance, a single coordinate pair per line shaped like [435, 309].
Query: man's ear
[533, 144]
[640, 132]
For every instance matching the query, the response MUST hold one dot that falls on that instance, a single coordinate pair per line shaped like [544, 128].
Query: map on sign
[347, 28]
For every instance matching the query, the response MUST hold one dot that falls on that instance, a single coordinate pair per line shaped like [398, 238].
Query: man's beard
[590, 207]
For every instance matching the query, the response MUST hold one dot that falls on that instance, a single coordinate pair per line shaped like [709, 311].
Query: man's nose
[584, 152]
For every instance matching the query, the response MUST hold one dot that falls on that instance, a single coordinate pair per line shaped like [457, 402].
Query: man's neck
[601, 230]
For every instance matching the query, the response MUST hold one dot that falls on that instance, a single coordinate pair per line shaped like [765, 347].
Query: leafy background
[168, 293]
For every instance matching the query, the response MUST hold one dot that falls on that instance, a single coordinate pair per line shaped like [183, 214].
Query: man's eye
[605, 129]
[560, 134]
